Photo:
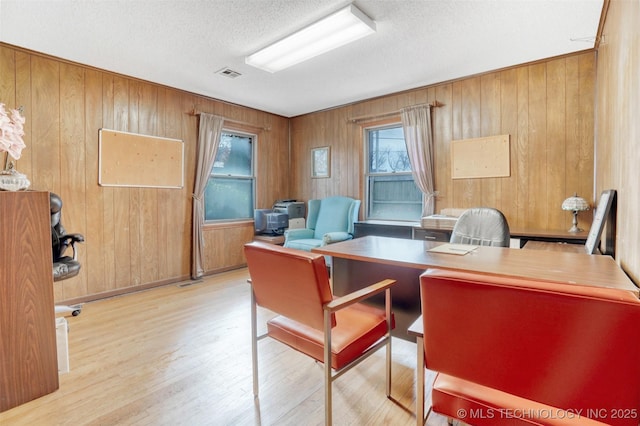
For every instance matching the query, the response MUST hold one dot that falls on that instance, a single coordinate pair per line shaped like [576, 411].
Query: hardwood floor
[181, 355]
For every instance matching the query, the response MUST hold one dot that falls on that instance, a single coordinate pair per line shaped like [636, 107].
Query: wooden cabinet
[28, 358]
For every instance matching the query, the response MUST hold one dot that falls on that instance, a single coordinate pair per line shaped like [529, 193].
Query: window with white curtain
[230, 190]
[391, 193]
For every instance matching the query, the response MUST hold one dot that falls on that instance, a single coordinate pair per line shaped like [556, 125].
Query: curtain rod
[434, 104]
[196, 113]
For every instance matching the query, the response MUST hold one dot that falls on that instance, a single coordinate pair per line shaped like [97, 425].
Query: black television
[268, 222]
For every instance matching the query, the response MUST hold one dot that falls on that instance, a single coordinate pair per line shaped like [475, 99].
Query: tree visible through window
[391, 192]
[230, 190]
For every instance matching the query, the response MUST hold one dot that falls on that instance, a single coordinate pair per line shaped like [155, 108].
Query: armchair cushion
[296, 239]
[299, 234]
[305, 244]
[335, 237]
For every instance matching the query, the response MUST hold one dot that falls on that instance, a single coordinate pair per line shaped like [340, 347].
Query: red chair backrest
[571, 347]
[289, 282]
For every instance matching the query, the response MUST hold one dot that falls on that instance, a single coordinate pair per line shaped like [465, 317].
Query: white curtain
[208, 141]
[416, 123]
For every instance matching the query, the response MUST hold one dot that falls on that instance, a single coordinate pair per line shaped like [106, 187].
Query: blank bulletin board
[129, 159]
[480, 157]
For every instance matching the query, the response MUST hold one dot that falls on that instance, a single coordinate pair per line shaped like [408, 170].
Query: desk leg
[420, 382]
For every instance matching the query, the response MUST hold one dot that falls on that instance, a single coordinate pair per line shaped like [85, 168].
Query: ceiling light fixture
[339, 28]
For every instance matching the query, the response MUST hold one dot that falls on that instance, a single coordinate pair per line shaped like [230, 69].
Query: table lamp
[575, 204]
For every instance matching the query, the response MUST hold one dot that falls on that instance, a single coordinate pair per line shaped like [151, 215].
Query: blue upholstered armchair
[329, 220]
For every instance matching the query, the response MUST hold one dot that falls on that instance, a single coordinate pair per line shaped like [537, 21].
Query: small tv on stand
[268, 222]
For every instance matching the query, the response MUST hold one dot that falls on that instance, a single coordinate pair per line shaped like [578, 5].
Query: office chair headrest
[482, 226]
[55, 202]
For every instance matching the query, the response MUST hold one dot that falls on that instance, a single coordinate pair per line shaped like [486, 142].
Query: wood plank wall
[135, 237]
[618, 127]
[546, 107]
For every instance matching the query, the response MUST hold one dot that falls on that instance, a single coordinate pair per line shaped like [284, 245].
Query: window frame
[251, 177]
[386, 124]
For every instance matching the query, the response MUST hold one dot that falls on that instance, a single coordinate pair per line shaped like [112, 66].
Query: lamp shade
[575, 203]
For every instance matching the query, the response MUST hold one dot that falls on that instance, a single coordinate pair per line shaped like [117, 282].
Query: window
[230, 190]
[391, 192]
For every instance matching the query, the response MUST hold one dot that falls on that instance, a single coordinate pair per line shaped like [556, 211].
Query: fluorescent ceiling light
[342, 27]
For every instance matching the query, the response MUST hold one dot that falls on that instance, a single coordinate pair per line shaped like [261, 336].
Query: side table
[271, 239]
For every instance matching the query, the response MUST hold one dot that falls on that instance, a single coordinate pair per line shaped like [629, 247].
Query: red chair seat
[358, 327]
[480, 405]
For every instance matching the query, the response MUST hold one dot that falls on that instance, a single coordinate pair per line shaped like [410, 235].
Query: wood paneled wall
[618, 127]
[547, 108]
[135, 237]
[140, 237]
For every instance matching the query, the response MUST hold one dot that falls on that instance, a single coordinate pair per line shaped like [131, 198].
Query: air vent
[228, 72]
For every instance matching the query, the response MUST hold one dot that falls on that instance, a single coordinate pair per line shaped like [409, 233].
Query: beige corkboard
[480, 157]
[129, 159]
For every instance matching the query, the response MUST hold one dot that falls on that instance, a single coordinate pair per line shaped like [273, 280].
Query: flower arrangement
[11, 131]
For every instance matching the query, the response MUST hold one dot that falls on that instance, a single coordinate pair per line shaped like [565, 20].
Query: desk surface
[568, 268]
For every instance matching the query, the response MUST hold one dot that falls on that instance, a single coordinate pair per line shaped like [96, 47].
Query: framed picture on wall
[321, 162]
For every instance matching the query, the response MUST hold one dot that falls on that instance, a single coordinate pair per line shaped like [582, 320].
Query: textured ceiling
[182, 43]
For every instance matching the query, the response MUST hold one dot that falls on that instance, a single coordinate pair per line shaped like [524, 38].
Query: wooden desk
[364, 261]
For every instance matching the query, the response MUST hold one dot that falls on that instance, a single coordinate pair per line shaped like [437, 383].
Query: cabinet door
[29, 364]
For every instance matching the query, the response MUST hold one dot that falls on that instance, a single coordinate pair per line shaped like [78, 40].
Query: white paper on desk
[449, 248]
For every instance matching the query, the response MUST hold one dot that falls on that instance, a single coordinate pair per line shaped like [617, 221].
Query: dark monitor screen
[260, 220]
[266, 221]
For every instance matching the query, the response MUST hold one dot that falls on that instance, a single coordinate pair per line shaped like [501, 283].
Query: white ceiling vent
[228, 72]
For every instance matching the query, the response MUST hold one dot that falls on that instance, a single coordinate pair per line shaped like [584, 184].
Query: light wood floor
[181, 355]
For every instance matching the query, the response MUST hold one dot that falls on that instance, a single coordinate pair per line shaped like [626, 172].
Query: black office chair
[64, 266]
[481, 226]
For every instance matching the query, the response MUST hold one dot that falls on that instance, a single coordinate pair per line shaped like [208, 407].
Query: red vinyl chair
[511, 351]
[338, 331]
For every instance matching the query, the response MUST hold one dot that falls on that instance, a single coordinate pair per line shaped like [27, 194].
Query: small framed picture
[321, 162]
